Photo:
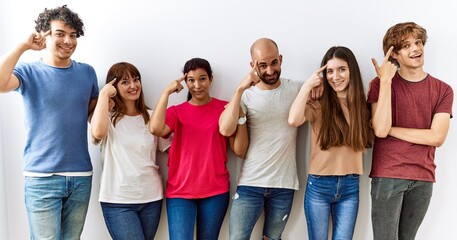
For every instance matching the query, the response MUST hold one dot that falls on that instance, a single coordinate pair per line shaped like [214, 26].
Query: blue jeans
[248, 204]
[398, 207]
[57, 206]
[132, 221]
[208, 212]
[337, 196]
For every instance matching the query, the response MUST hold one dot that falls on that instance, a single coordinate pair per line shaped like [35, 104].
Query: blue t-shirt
[56, 103]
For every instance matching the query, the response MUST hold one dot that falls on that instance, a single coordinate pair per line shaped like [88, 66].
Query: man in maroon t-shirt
[411, 115]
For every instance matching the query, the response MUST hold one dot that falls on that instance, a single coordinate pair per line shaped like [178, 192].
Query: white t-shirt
[270, 161]
[130, 173]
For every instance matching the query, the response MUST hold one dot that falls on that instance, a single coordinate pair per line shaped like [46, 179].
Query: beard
[267, 79]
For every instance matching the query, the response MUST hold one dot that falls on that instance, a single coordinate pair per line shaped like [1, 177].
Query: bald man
[268, 177]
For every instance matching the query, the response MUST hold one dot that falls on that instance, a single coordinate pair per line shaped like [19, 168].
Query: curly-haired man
[58, 95]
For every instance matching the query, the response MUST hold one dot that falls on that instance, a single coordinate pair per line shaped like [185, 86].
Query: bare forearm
[99, 120]
[298, 108]
[240, 141]
[382, 111]
[434, 136]
[157, 123]
[7, 64]
[229, 118]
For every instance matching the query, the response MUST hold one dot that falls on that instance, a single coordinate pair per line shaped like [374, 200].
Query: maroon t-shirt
[413, 106]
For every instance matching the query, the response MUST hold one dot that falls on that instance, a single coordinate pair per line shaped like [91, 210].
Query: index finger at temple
[321, 69]
[388, 54]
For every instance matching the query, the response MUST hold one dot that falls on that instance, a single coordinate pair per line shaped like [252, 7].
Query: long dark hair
[119, 71]
[196, 63]
[335, 130]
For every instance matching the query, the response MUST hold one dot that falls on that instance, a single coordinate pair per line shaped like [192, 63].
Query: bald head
[264, 45]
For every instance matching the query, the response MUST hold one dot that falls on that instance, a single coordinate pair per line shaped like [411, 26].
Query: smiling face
[198, 82]
[338, 76]
[61, 43]
[129, 88]
[411, 53]
[266, 54]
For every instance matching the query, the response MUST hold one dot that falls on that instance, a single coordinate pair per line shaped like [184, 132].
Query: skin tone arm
[382, 110]
[157, 124]
[9, 82]
[100, 121]
[228, 120]
[240, 142]
[434, 136]
[298, 108]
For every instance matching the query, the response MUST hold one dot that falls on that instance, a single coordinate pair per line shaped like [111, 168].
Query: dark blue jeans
[398, 207]
[132, 221]
[208, 213]
[248, 204]
[337, 196]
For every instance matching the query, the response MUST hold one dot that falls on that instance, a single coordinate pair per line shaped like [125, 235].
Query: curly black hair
[43, 22]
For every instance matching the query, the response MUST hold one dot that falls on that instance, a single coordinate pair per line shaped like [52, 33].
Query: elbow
[438, 142]
[294, 122]
[241, 153]
[226, 132]
[154, 131]
[97, 134]
[381, 133]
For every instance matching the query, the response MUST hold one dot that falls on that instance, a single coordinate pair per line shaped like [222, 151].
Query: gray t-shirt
[271, 158]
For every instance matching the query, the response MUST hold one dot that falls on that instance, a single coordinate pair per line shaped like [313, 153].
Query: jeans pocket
[354, 176]
[314, 176]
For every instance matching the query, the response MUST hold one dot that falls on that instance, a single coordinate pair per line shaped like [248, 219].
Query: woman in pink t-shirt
[198, 180]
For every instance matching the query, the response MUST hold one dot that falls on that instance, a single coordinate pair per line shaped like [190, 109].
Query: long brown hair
[119, 71]
[335, 130]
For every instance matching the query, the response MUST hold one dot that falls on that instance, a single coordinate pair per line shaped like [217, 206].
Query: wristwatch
[242, 120]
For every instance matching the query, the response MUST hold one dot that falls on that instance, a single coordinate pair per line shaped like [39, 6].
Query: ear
[251, 63]
[394, 54]
[280, 58]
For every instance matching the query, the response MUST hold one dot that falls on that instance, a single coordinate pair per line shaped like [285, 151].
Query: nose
[67, 39]
[197, 84]
[270, 70]
[132, 84]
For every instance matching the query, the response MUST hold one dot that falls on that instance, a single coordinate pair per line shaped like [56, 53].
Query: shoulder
[82, 66]
[217, 101]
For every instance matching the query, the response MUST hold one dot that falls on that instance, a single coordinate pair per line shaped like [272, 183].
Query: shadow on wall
[3, 213]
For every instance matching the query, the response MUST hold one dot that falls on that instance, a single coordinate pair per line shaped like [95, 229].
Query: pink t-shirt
[413, 106]
[198, 154]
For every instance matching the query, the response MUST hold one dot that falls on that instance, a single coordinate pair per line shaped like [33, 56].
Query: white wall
[159, 36]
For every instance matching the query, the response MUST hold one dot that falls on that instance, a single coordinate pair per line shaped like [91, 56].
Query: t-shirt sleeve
[373, 91]
[445, 103]
[171, 118]
[164, 143]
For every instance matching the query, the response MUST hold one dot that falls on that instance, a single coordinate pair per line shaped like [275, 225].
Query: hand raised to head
[109, 89]
[37, 41]
[252, 78]
[387, 69]
[176, 86]
[315, 82]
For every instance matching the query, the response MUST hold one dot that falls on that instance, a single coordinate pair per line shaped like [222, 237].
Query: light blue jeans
[398, 207]
[247, 206]
[57, 206]
[208, 213]
[337, 196]
[132, 221]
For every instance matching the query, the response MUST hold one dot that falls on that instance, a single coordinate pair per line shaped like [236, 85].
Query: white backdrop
[159, 36]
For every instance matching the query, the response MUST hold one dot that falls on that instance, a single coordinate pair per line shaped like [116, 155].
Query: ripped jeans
[248, 204]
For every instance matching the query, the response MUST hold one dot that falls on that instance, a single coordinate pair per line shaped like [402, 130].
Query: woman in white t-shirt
[131, 189]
